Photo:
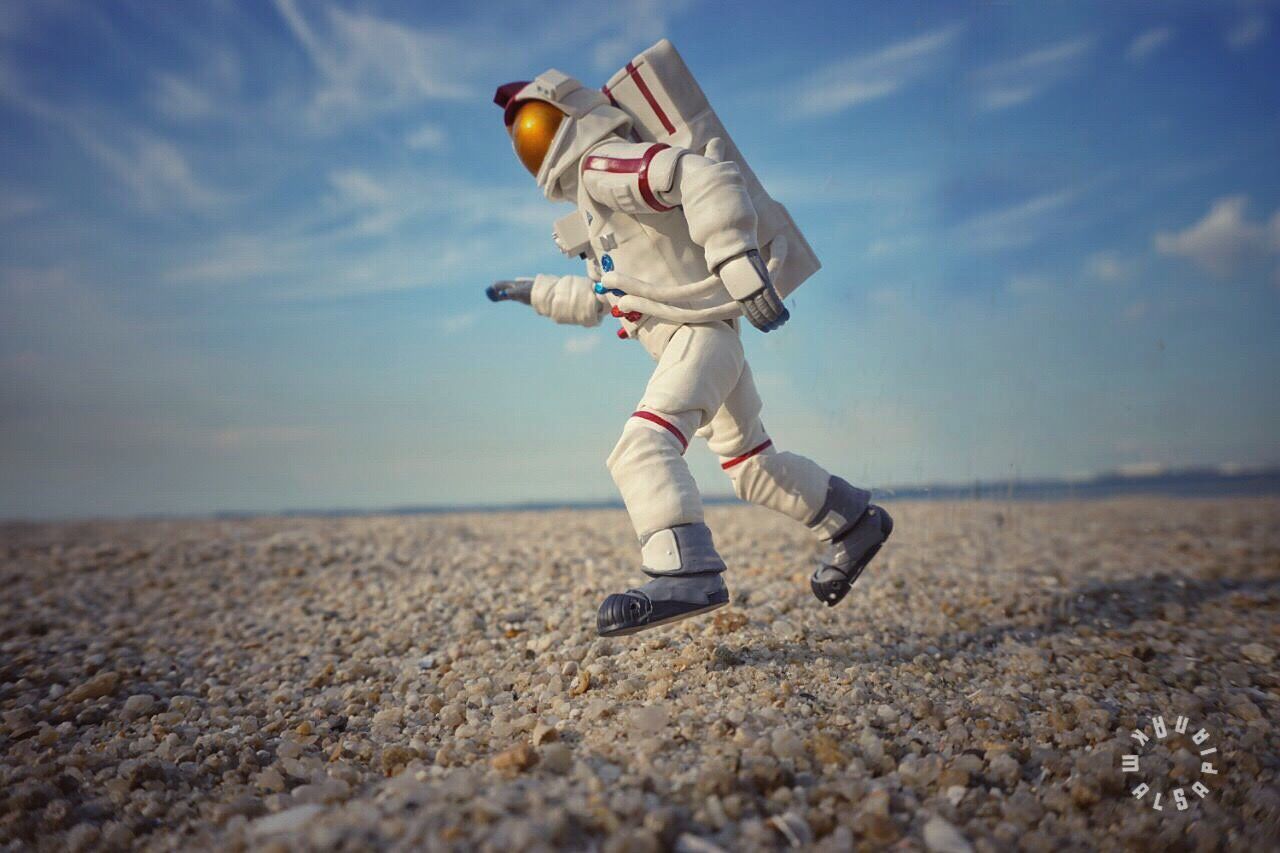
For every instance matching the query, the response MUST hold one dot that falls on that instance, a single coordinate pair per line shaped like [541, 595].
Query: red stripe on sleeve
[663, 422]
[744, 457]
[626, 165]
[646, 192]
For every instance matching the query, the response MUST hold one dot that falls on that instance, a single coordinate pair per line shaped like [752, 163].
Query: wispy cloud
[1248, 32]
[581, 344]
[1016, 81]
[455, 323]
[1147, 43]
[1224, 239]
[369, 64]
[426, 136]
[150, 166]
[1107, 267]
[1014, 225]
[869, 76]
[642, 23]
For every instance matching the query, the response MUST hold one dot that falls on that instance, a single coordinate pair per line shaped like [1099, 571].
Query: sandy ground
[435, 681]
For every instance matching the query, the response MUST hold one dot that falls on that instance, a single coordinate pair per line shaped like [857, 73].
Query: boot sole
[670, 620]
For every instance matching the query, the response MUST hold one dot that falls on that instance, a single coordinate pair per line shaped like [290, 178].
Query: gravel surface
[435, 681]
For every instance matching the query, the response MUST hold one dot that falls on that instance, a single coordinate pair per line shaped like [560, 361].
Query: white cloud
[869, 76]
[581, 344]
[1148, 43]
[360, 187]
[153, 168]
[642, 22]
[455, 323]
[428, 136]
[1106, 266]
[1224, 239]
[1016, 81]
[369, 64]
[180, 99]
[150, 166]
[1247, 32]
[1012, 226]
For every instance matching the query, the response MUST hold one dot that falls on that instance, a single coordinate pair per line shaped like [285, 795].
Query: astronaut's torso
[632, 231]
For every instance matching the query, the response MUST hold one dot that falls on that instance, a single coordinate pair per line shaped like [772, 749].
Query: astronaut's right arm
[569, 299]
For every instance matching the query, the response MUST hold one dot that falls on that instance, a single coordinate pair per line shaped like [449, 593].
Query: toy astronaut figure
[677, 251]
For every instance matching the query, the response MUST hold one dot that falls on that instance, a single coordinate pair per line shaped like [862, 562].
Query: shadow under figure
[680, 242]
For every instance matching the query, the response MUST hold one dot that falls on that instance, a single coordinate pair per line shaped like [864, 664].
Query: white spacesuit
[670, 238]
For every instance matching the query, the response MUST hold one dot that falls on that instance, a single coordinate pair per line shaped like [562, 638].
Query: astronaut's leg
[841, 515]
[697, 369]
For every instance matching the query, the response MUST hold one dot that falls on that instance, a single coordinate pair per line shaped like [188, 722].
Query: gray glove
[747, 280]
[520, 290]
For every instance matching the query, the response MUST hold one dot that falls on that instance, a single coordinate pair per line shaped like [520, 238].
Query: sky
[243, 246]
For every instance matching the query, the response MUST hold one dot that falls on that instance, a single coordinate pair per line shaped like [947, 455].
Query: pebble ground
[435, 682]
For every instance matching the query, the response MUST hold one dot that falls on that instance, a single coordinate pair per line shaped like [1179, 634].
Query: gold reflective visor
[532, 130]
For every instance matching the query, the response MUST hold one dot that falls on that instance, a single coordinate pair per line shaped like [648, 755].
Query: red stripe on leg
[744, 457]
[663, 422]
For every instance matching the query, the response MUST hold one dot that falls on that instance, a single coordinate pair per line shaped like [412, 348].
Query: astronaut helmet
[552, 121]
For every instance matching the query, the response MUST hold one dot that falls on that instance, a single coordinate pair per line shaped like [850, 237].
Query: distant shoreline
[1182, 483]
[1172, 483]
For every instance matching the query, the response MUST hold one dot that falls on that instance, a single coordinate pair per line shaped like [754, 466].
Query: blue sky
[244, 246]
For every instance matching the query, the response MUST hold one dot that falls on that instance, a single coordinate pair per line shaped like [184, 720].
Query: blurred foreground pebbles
[435, 681]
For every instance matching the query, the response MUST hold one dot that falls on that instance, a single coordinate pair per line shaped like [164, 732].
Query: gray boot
[687, 581]
[862, 528]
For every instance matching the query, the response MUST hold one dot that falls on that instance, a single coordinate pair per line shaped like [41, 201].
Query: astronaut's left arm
[722, 220]
[569, 299]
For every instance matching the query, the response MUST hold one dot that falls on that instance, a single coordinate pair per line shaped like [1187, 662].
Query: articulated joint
[686, 549]
[843, 506]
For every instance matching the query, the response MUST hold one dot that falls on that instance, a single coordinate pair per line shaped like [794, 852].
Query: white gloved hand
[747, 280]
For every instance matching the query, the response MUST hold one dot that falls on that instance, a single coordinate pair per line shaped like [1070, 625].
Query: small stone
[1258, 653]
[388, 718]
[582, 684]
[1004, 768]
[794, 828]
[724, 656]
[515, 760]
[786, 745]
[941, 837]
[728, 621]
[787, 630]
[650, 719]
[138, 705]
[826, 750]
[543, 733]
[102, 684]
[394, 758]
[270, 780]
[289, 820]
[557, 757]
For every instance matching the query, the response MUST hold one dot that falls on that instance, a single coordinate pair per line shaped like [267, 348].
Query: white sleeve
[717, 206]
[567, 299]
[631, 177]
